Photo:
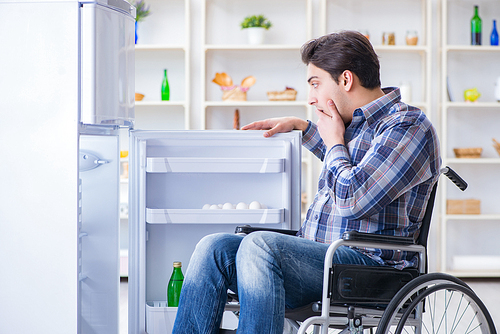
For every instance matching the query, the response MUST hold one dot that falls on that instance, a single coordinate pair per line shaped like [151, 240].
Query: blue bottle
[494, 34]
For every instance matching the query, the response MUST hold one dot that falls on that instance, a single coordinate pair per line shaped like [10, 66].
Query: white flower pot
[255, 35]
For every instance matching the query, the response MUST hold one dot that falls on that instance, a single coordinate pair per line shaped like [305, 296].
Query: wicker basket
[469, 153]
[286, 95]
[234, 94]
[139, 96]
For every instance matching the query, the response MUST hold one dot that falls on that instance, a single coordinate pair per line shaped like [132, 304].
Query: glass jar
[411, 37]
[389, 38]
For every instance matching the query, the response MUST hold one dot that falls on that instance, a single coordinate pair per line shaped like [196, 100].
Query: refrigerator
[67, 88]
[67, 93]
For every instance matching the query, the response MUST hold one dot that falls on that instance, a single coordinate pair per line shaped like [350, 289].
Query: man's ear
[347, 80]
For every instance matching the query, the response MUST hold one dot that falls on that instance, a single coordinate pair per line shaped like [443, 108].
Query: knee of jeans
[212, 242]
[254, 242]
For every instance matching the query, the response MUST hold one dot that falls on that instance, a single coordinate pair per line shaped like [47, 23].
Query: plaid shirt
[380, 181]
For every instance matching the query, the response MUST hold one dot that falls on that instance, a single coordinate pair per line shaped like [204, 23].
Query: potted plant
[255, 25]
[141, 12]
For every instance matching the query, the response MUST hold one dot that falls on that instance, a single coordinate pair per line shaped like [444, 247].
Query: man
[380, 161]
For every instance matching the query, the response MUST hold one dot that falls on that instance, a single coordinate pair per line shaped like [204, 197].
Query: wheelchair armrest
[246, 229]
[370, 237]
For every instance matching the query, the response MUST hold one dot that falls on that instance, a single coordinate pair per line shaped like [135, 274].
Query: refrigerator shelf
[215, 165]
[200, 216]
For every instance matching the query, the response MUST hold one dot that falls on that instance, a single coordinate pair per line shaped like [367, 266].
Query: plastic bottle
[175, 285]
[494, 34]
[475, 28]
[165, 89]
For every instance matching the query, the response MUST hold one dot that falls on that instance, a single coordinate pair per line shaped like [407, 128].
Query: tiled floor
[487, 290]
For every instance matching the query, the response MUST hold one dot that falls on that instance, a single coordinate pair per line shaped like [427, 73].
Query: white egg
[228, 206]
[206, 207]
[241, 206]
[254, 205]
[214, 207]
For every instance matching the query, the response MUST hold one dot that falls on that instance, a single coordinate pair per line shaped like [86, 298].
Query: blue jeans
[269, 271]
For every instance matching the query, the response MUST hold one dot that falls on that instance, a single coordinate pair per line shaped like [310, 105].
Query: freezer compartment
[107, 63]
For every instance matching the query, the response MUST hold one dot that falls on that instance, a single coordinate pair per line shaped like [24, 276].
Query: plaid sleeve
[396, 161]
[313, 141]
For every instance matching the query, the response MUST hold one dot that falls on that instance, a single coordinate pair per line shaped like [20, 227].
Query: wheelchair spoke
[441, 308]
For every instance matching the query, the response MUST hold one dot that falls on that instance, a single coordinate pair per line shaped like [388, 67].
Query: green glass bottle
[165, 89]
[475, 28]
[175, 285]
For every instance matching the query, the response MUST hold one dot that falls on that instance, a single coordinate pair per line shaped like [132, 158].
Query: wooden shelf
[474, 273]
[159, 47]
[256, 104]
[247, 47]
[160, 103]
[473, 217]
[402, 48]
[473, 161]
[472, 105]
[472, 48]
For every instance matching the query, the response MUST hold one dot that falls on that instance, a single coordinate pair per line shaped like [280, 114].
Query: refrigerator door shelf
[200, 216]
[215, 165]
[159, 317]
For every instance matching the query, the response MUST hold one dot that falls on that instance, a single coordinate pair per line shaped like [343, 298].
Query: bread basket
[468, 152]
[286, 95]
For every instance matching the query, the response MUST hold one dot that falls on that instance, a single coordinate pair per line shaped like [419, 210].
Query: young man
[380, 161]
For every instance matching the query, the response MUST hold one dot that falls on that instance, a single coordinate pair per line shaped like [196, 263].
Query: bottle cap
[177, 264]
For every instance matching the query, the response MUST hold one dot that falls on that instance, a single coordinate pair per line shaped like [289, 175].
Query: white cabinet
[163, 43]
[400, 64]
[467, 245]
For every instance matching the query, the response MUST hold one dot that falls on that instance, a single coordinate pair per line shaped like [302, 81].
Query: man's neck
[365, 96]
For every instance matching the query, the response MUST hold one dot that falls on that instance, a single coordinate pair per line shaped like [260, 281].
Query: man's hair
[345, 50]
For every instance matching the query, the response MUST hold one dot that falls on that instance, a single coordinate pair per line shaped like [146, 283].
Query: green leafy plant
[141, 10]
[256, 21]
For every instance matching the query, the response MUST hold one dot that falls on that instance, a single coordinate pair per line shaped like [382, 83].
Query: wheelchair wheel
[437, 304]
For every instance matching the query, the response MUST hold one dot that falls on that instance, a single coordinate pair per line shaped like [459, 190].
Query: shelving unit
[275, 64]
[467, 248]
[416, 60]
[161, 44]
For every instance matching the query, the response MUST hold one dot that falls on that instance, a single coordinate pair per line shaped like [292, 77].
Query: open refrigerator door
[175, 176]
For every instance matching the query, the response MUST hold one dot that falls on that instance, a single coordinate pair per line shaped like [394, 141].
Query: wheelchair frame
[407, 307]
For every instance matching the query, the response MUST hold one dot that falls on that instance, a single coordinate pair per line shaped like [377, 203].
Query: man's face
[323, 88]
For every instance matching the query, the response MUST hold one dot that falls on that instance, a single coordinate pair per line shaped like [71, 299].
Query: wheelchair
[387, 300]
